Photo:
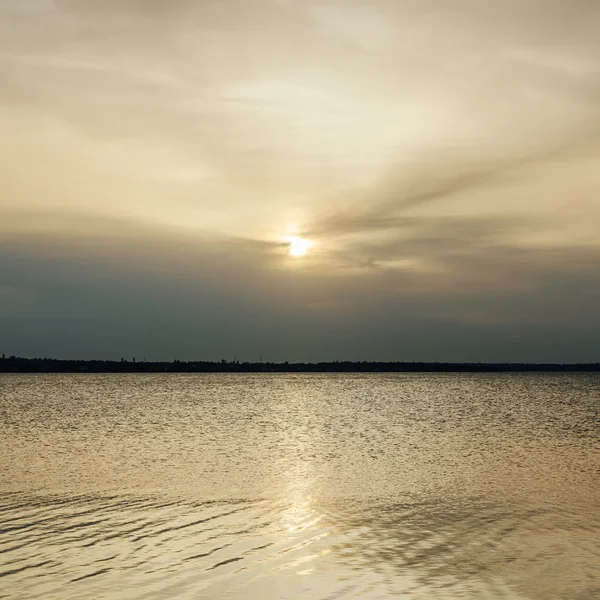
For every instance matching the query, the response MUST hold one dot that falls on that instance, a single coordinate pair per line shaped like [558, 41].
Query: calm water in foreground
[300, 486]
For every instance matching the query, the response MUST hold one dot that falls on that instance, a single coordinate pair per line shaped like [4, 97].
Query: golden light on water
[298, 246]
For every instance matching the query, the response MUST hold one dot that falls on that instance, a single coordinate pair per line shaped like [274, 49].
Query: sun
[298, 246]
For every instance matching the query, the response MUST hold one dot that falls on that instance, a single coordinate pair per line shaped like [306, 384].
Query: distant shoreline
[51, 365]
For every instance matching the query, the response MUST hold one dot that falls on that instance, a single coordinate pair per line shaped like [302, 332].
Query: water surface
[300, 486]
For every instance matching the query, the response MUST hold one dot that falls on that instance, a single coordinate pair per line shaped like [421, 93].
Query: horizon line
[15, 364]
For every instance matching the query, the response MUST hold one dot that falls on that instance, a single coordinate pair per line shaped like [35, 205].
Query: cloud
[441, 157]
[199, 298]
[439, 178]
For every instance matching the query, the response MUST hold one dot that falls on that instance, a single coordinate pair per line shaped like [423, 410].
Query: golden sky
[443, 157]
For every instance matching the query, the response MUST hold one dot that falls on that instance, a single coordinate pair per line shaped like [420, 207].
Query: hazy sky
[443, 156]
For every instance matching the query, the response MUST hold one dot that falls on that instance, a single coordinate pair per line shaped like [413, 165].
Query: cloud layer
[443, 159]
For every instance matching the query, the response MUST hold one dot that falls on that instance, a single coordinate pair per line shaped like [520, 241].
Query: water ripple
[300, 487]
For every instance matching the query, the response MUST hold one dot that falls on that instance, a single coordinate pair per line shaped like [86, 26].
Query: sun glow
[298, 246]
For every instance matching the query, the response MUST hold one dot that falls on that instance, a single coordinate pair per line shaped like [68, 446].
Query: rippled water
[300, 486]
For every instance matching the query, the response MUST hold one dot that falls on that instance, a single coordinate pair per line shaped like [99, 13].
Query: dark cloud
[172, 296]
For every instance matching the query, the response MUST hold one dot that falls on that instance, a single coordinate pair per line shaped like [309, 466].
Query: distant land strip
[14, 364]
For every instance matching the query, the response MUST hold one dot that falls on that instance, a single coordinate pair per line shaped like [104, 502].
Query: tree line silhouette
[14, 364]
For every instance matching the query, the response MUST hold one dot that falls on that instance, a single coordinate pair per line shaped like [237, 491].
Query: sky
[442, 157]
